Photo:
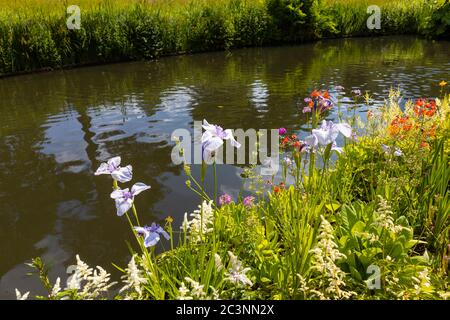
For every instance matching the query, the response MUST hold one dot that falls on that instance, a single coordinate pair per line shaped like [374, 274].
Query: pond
[57, 127]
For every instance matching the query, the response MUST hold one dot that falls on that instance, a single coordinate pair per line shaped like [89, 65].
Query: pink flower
[248, 201]
[225, 199]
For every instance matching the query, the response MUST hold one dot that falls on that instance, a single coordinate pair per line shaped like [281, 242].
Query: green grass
[33, 33]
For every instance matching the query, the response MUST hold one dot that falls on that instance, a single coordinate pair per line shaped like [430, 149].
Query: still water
[56, 128]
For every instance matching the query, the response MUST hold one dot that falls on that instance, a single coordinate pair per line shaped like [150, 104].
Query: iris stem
[215, 183]
[202, 177]
[136, 215]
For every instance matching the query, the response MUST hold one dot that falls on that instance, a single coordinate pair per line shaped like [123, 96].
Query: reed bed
[34, 35]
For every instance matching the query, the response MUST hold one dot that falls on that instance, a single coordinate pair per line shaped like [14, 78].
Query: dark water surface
[56, 128]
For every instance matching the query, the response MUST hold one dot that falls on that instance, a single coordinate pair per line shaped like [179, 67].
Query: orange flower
[407, 127]
[424, 144]
[430, 112]
[294, 137]
[278, 188]
[326, 95]
[316, 94]
[403, 119]
[431, 132]
[418, 111]
[394, 121]
[297, 144]
[398, 124]
[420, 102]
[394, 130]
[423, 107]
[311, 104]
[285, 140]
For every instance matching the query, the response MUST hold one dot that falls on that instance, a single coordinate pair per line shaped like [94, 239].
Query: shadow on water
[56, 128]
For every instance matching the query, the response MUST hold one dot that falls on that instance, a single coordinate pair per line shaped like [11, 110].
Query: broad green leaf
[358, 227]
[333, 206]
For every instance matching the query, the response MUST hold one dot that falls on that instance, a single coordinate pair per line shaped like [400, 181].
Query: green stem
[312, 162]
[202, 177]
[215, 182]
[136, 215]
[171, 236]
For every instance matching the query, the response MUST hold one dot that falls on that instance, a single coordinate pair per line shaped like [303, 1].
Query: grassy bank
[365, 219]
[33, 33]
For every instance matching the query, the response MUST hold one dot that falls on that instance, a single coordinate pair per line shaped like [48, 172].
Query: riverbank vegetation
[358, 211]
[34, 35]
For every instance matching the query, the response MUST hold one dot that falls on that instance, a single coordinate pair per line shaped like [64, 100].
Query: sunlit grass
[33, 33]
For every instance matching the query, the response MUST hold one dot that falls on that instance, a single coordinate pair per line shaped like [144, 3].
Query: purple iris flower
[152, 234]
[248, 201]
[225, 199]
[124, 197]
[324, 103]
[306, 109]
[112, 167]
[212, 140]
[321, 103]
[282, 131]
[287, 161]
[387, 149]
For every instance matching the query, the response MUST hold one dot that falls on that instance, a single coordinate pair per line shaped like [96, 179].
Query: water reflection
[258, 95]
[56, 128]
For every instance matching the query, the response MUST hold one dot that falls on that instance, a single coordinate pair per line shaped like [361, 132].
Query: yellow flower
[442, 83]
[169, 219]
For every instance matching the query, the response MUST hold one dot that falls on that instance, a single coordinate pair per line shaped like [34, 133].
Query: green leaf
[327, 152]
[265, 280]
[355, 274]
[368, 255]
[358, 227]
[411, 243]
[397, 250]
[334, 206]
[343, 241]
